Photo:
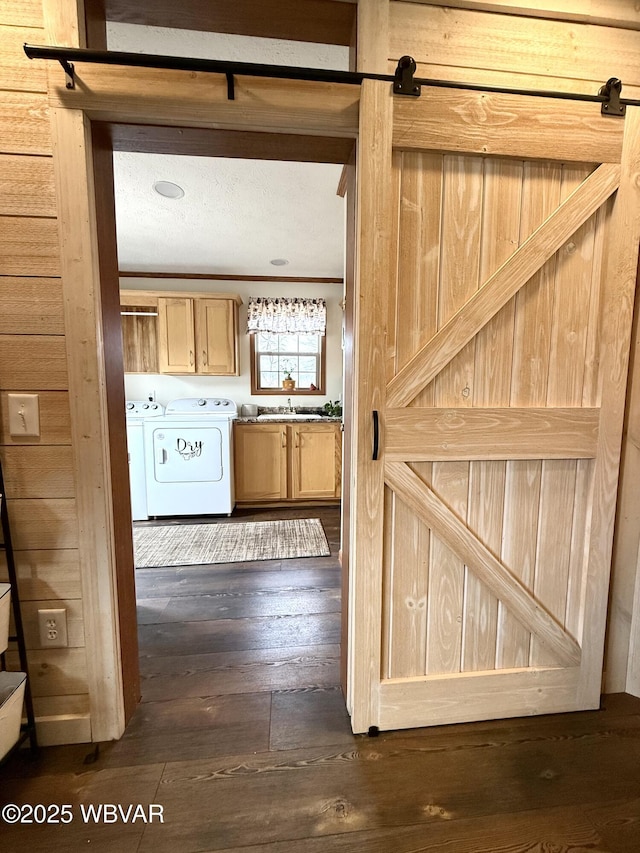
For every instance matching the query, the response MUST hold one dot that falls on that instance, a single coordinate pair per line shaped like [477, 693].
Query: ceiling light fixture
[168, 189]
[279, 262]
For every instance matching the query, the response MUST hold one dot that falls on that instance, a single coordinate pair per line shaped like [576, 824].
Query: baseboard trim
[61, 731]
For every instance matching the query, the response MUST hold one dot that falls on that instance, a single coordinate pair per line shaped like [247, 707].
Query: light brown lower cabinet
[287, 462]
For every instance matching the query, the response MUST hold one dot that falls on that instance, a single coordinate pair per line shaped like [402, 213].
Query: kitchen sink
[288, 416]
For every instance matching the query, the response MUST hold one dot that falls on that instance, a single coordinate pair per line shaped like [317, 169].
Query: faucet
[290, 408]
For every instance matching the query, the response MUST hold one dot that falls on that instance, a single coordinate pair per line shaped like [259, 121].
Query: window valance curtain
[282, 315]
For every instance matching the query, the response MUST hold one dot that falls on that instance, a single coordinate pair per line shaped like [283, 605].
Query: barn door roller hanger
[404, 82]
[613, 106]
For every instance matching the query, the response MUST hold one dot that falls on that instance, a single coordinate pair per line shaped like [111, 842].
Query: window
[287, 344]
[276, 355]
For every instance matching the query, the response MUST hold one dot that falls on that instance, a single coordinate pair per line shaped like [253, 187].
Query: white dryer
[137, 411]
[189, 458]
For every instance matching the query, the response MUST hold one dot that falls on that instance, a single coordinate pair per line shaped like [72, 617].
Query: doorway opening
[251, 644]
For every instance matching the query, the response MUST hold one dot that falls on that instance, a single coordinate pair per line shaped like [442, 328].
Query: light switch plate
[24, 414]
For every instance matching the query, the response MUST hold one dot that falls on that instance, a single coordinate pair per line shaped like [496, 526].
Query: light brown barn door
[497, 258]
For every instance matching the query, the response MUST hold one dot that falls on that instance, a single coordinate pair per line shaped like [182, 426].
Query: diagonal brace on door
[487, 568]
[500, 287]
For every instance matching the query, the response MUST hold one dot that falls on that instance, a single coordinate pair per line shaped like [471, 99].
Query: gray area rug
[234, 542]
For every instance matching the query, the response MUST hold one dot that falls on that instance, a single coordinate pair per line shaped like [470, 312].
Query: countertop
[285, 419]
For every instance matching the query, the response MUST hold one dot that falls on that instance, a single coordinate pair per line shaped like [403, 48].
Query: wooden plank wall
[546, 46]
[515, 50]
[38, 471]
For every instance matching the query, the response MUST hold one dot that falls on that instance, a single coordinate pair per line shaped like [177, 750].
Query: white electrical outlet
[52, 625]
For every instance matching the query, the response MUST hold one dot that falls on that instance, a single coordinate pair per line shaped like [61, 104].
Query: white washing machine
[137, 411]
[189, 458]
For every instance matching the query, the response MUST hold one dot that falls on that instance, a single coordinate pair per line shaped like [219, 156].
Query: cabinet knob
[191, 357]
[204, 356]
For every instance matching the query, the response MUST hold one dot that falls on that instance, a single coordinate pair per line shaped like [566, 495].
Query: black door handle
[376, 435]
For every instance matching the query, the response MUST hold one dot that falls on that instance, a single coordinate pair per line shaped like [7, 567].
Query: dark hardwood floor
[243, 738]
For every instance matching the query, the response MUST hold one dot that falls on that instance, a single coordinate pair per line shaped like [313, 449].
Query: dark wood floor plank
[52, 761]
[494, 734]
[379, 785]
[137, 785]
[212, 580]
[618, 824]
[189, 728]
[105, 838]
[235, 634]
[309, 717]
[561, 830]
[199, 580]
[252, 671]
[235, 716]
[150, 610]
[313, 563]
[196, 608]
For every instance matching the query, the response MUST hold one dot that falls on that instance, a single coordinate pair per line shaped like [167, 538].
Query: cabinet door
[216, 337]
[260, 462]
[315, 461]
[176, 344]
[139, 339]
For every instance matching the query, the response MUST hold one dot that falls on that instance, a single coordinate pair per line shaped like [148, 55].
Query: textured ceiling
[236, 215]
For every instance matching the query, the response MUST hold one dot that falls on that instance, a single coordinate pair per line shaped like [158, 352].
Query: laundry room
[232, 302]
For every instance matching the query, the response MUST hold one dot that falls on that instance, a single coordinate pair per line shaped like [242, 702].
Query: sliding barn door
[497, 261]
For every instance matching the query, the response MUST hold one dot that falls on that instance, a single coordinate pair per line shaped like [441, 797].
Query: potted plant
[332, 410]
[288, 383]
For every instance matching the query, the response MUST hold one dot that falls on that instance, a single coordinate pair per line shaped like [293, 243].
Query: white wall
[238, 388]
[225, 46]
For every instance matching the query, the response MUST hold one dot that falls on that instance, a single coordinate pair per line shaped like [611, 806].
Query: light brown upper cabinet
[176, 335]
[217, 336]
[187, 333]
